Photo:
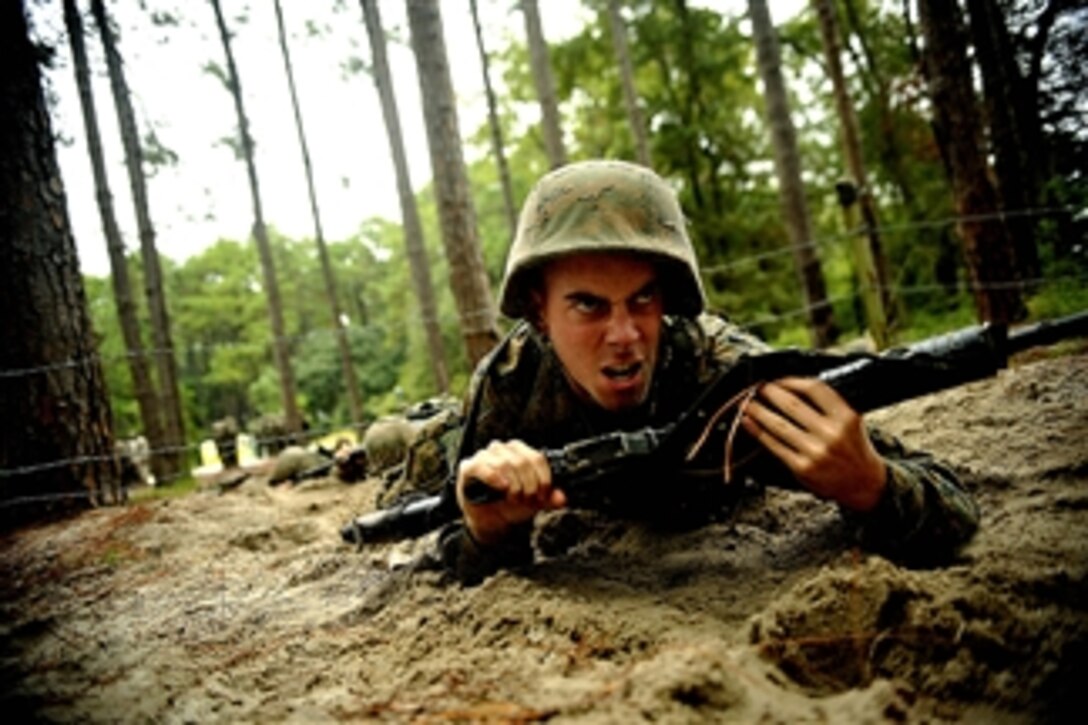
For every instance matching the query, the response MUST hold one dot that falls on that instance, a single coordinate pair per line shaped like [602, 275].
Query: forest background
[701, 102]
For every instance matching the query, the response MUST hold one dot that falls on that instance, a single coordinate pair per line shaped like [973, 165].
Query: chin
[617, 403]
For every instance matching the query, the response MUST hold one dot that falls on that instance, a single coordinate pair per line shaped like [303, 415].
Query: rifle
[866, 381]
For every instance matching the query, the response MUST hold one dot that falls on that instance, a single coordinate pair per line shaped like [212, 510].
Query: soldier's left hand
[820, 438]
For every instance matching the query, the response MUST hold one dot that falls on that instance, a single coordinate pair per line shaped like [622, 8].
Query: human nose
[622, 327]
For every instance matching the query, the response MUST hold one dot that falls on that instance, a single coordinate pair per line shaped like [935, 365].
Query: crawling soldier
[612, 335]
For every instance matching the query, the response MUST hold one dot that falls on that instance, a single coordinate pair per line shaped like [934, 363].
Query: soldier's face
[602, 313]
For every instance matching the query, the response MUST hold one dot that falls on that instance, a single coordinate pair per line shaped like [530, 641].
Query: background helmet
[603, 206]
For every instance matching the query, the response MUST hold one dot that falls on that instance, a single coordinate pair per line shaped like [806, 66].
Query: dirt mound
[244, 605]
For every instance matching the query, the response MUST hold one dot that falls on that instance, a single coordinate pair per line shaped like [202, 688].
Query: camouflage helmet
[603, 206]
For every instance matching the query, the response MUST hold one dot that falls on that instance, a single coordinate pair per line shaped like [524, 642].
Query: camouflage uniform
[429, 452]
[520, 390]
[923, 516]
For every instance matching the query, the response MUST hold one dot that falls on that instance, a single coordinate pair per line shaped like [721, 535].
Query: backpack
[431, 454]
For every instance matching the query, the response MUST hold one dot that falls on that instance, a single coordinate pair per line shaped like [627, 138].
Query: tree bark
[497, 147]
[136, 355]
[1012, 145]
[413, 229]
[545, 85]
[347, 368]
[871, 264]
[468, 276]
[56, 433]
[264, 248]
[787, 166]
[994, 280]
[627, 78]
[173, 421]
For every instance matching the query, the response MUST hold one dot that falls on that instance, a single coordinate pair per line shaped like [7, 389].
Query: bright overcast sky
[206, 197]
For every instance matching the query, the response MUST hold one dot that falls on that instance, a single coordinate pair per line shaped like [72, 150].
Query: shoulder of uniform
[518, 350]
[519, 346]
[723, 333]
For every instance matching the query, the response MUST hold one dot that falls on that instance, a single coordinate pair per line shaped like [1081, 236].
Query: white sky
[206, 196]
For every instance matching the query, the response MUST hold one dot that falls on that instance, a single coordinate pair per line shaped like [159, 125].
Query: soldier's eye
[587, 304]
[645, 297]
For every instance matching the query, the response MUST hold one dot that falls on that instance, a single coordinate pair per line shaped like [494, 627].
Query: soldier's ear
[536, 311]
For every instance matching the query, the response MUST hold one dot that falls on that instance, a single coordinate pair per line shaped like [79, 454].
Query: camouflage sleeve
[470, 563]
[925, 514]
[462, 557]
[727, 341]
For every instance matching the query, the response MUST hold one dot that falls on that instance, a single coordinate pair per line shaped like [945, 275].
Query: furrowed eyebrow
[651, 287]
[585, 298]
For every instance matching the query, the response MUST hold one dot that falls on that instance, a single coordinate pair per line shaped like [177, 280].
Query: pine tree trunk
[871, 263]
[1011, 145]
[627, 78]
[122, 287]
[497, 148]
[987, 248]
[264, 248]
[545, 85]
[468, 276]
[787, 166]
[56, 431]
[351, 381]
[413, 229]
[172, 419]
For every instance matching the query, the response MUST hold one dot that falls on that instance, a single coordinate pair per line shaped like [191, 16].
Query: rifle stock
[866, 381]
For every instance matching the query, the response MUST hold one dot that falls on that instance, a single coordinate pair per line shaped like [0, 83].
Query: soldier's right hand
[521, 473]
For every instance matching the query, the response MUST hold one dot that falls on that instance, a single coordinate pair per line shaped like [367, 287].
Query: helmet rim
[603, 206]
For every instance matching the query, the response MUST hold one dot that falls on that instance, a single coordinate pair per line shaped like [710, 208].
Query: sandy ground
[245, 606]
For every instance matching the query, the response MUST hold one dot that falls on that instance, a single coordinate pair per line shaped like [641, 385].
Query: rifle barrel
[1048, 332]
[867, 382]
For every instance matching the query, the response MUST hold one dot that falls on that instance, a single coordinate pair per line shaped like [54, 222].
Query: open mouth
[620, 374]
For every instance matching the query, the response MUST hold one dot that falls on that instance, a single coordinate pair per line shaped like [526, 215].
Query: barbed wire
[47, 498]
[276, 440]
[171, 450]
[910, 291]
[296, 339]
[490, 313]
[827, 240]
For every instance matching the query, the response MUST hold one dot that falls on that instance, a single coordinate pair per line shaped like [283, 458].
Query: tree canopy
[698, 89]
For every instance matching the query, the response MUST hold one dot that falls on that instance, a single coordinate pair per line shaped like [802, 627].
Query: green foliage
[155, 153]
[219, 73]
[111, 350]
[695, 74]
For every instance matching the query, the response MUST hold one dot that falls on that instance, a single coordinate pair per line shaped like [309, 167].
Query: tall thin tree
[136, 356]
[627, 77]
[56, 433]
[545, 85]
[173, 421]
[351, 381]
[1011, 128]
[260, 234]
[869, 258]
[497, 147]
[787, 164]
[994, 279]
[413, 229]
[468, 276]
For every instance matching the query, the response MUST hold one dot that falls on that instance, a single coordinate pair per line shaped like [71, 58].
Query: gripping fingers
[770, 426]
[770, 429]
[512, 467]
